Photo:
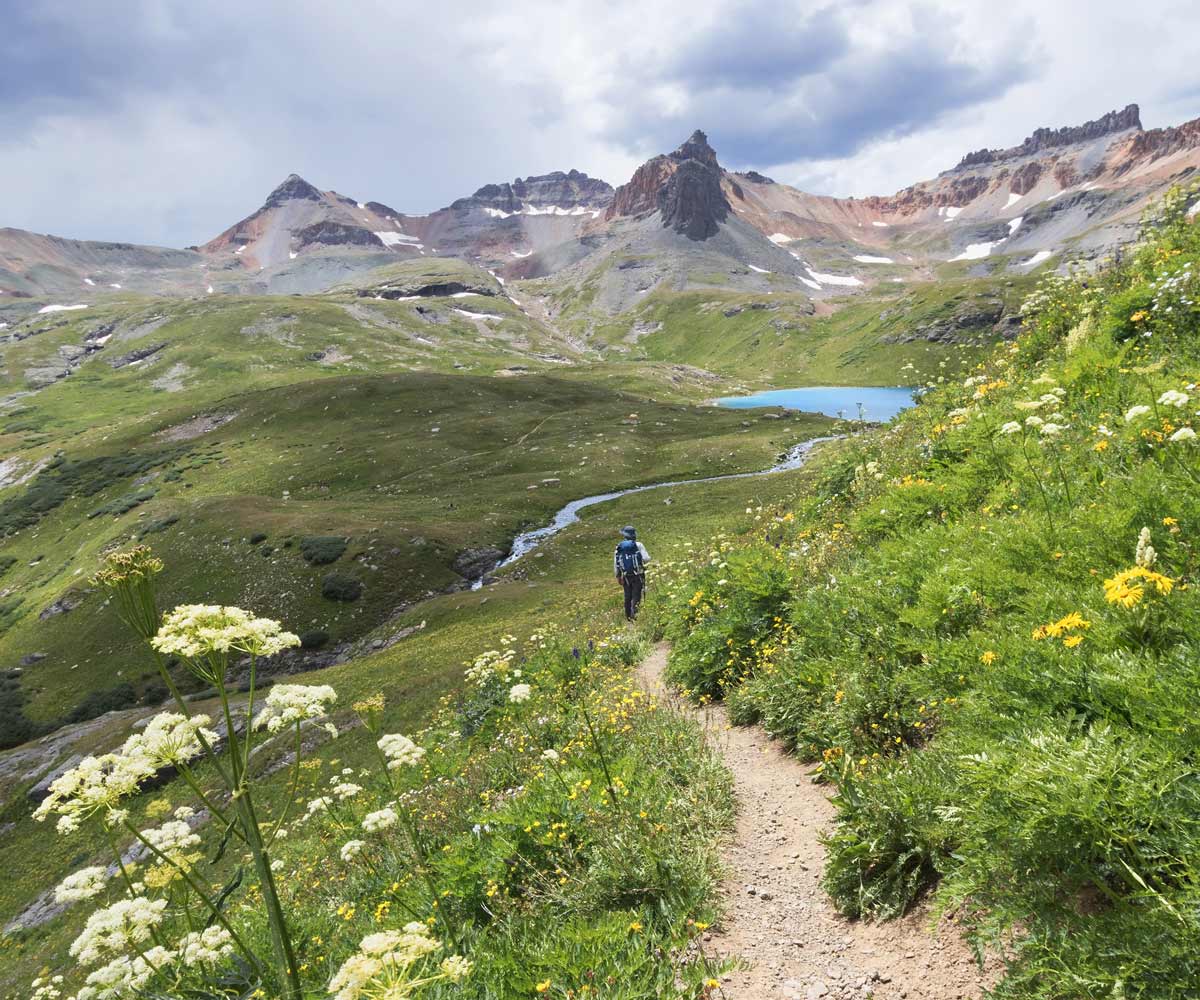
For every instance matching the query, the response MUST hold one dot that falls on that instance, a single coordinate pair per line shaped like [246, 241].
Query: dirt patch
[172, 379]
[196, 426]
[777, 917]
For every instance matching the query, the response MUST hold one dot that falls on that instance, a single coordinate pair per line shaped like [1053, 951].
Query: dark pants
[633, 585]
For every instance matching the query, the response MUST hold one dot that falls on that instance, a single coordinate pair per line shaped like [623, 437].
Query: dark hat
[628, 531]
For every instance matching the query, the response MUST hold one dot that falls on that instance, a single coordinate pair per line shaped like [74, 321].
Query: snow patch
[811, 284]
[527, 253]
[475, 315]
[360, 204]
[1037, 258]
[88, 281]
[238, 251]
[760, 270]
[464, 295]
[389, 238]
[879, 225]
[101, 341]
[114, 285]
[832, 279]
[59, 309]
[864, 258]
[1013, 198]
[1015, 224]
[948, 212]
[1194, 209]
[495, 213]
[292, 255]
[210, 290]
[977, 251]
[779, 238]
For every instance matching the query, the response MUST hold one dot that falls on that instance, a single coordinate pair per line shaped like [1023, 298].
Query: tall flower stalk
[204, 637]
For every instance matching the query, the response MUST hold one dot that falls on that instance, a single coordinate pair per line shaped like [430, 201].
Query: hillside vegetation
[981, 625]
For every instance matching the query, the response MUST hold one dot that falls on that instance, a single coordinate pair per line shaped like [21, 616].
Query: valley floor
[778, 920]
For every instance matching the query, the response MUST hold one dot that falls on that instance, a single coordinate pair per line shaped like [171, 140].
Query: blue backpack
[629, 559]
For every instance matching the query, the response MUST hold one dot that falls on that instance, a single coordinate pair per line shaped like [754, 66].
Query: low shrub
[320, 550]
[340, 587]
[313, 638]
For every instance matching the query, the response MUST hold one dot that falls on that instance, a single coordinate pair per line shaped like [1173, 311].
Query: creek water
[878, 403]
[527, 541]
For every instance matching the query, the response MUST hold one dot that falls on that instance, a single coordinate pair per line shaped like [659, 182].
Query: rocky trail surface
[795, 946]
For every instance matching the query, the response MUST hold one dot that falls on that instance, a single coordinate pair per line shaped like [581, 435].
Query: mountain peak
[1127, 118]
[293, 187]
[696, 148]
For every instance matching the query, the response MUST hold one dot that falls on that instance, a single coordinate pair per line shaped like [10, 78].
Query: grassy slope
[933, 628]
[568, 585]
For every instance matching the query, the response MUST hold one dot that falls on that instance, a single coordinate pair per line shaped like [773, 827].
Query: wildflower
[81, 885]
[399, 750]
[134, 566]
[1172, 397]
[193, 631]
[1144, 555]
[519, 693]
[380, 820]
[117, 928]
[1051, 430]
[1134, 412]
[550, 755]
[1128, 587]
[1012, 427]
[987, 658]
[345, 790]
[455, 968]
[1072, 641]
[352, 848]
[543, 986]
[172, 839]
[206, 946]
[1183, 434]
[1034, 421]
[635, 926]
[288, 703]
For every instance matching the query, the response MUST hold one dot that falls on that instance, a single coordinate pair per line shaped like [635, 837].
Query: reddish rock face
[1048, 138]
[1160, 142]
[1024, 178]
[685, 186]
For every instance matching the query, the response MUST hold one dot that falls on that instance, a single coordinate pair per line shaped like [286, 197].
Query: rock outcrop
[1049, 138]
[295, 187]
[684, 186]
[336, 234]
[572, 189]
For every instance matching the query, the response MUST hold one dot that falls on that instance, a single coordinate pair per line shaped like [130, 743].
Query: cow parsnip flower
[399, 750]
[289, 703]
[194, 631]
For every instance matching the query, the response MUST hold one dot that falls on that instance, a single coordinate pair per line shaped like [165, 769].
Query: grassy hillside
[982, 624]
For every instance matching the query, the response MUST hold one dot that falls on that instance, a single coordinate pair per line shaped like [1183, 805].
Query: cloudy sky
[164, 121]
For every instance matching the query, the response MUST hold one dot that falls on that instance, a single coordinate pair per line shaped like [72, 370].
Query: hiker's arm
[645, 554]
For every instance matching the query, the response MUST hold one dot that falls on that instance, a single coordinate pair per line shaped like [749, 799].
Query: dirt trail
[776, 916]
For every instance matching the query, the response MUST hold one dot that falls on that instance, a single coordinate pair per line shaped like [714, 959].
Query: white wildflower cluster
[519, 693]
[83, 884]
[1173, 397]
[97, 784]
[193, 631]
[289, 703]
[174, 839]
[118, 929]
[317, 806]
[1145, 556]
[343, 790]
[125, 975]
[205, 947]
[489, 664]
[1183, 434]
[384, 965]
[352, 849]
[46, 988]
[1135, 413]
[399, 750]
[380, 820]
[864, 474]
[551, 755]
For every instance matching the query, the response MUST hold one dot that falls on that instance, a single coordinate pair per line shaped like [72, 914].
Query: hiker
[629, 563]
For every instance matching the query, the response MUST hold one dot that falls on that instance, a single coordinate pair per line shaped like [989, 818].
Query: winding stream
[527, 541]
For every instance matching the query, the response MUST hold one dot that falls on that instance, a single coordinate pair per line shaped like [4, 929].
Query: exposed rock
[1048, 138]
[294, 187]
[329, 233]
[196, 426]
[1025, 177]
[473, 563]
[756, 177]
[1159, 142]
[29, 659]
[556, 189]
[65, 604]
[124, 360]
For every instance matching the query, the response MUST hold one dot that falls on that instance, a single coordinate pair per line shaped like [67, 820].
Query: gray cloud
[167, 120]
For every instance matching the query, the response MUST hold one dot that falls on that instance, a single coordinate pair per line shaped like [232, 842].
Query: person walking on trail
[629, 563]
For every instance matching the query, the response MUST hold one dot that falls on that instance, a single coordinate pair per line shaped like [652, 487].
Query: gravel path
[794, 944]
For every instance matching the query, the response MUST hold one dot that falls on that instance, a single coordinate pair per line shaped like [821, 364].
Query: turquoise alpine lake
[877, 403]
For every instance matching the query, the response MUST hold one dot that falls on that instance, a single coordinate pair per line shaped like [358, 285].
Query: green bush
[259, 536]
[320, 550]
[340, 587]
[313, 638]
[96, 703]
